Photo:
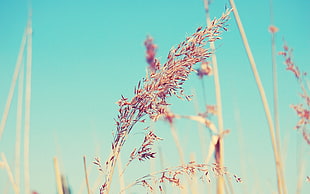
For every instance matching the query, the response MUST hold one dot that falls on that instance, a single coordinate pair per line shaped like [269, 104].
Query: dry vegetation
[152, 92]
[149, 104]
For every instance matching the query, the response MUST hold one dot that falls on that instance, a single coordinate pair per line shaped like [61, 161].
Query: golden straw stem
[121, 177]
[177, 142]
[10, 174]
[278, 162]
[220, 148]
[19, 125]
[275, 96]
[58, 176]
[179, 148]
[27, 107]
[13, 83]
[86, 176]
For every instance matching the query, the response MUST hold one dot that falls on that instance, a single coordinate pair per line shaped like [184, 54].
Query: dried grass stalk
[19, 117]
[86, 175]
[174, 175]
[4, 164]
[27, 107]
[164, 81]
[219, 149]
[303, 109]
[13, 83]
[58, 176]
[277, 155]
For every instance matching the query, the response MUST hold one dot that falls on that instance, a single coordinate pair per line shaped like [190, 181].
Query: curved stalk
[278, 162]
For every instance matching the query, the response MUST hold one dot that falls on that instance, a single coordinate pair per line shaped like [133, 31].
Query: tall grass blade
[27, 106]
[10, 174]
[13, 83]
[278, 161]
[219, 150]
[58, 176]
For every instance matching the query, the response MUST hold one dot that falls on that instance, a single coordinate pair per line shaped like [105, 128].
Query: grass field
[157, 97]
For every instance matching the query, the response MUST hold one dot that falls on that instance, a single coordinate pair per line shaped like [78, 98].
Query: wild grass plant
[151, 103]
[165, 88]
[162, 81]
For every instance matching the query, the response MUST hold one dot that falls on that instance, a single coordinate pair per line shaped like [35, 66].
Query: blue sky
[87, 54]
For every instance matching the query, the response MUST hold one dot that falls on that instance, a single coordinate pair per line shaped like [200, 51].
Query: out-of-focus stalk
[219, 147]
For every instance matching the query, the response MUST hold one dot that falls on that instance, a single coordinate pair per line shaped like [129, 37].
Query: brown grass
[173, 175]
[276, 148]
[162, 82]
[303, 109]
[150, 103]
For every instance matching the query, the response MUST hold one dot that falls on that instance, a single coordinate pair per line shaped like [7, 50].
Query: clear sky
[86, 54]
